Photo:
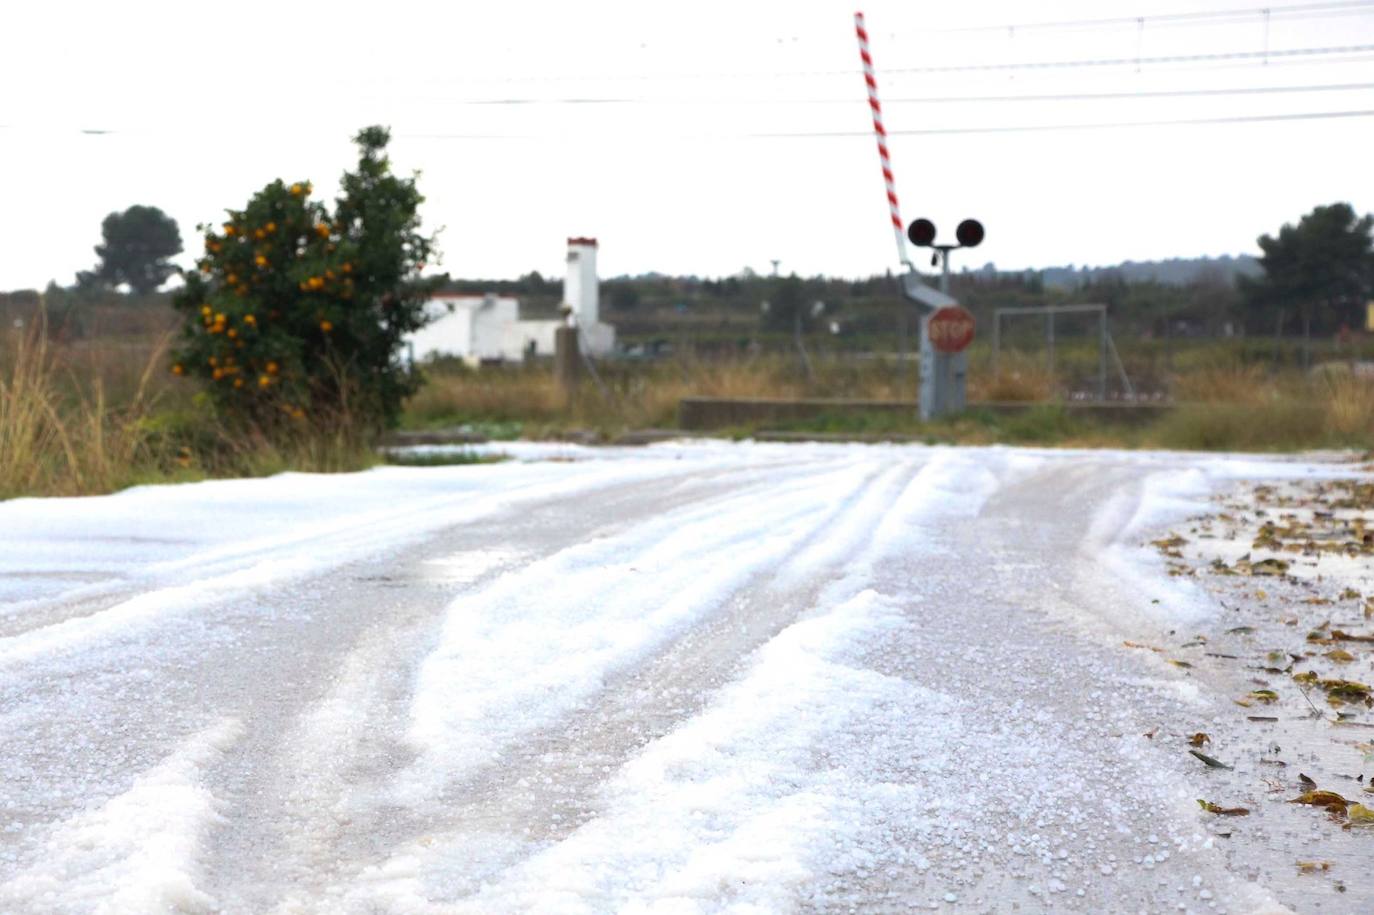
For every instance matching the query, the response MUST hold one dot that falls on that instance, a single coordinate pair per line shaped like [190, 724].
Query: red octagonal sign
[950, 329]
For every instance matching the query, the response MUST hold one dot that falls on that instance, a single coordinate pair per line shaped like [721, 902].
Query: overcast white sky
[205, 103]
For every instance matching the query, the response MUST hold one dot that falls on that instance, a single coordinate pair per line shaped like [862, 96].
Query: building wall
[465, 327]
[521, 334]
[581, 289]
[479, 328]
[448, 334]
[489, 323]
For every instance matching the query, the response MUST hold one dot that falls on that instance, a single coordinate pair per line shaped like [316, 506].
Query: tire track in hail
[548, 787]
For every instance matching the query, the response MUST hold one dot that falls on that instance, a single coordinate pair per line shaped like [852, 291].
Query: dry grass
[1237, 385]
[86, 419]
[60, 436]
[1246, 408]
[94, 416]
[1020, 378]
[1349, 406]
[1237, 408]
[638, 395]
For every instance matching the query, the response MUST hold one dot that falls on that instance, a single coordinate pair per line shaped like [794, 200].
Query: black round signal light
[921, 232]
[969, 233]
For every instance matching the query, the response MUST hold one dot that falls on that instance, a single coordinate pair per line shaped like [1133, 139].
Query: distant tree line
[1314, 276]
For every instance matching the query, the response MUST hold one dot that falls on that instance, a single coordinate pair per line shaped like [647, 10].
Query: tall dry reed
[59, 436]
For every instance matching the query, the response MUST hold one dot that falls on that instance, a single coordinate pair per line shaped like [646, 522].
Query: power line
[924, 99]
[1112, 125]
[1292, 11]
[841, 134]
[1138, 61]
[1290, 55]
[935, 131]
[1144, 93]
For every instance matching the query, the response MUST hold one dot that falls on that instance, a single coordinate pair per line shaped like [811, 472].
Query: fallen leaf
[1327, 799]
[1269, 567]
[1312, 867]
[1209, 761]
[1264, 695]
[1360, 815]
[1130, 644]
[1223, 811]
[1339, 655]
[1346, 689]
[1177, 663]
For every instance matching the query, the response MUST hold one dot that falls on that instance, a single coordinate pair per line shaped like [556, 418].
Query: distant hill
[1178, 271]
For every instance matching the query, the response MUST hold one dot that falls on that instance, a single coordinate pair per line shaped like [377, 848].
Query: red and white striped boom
[881, 135]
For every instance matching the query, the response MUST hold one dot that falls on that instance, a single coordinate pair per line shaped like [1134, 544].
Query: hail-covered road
[684, 678]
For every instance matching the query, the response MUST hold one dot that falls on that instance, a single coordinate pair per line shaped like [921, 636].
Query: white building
[483, 328]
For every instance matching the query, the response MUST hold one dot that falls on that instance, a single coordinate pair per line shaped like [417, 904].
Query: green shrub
[297, 314]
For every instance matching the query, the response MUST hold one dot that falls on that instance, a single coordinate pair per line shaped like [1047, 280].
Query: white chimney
[580, 291]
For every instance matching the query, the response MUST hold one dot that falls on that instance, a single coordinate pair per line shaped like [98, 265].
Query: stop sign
[950, 329]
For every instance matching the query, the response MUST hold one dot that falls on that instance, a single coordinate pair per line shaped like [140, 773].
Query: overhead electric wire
[1133, 94]
[1138, 61]
[935, 131]
[832, 134]
[1290, 11]
[910, 100]
[1109, 125]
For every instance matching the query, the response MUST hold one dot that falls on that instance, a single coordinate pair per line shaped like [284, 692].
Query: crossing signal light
[921, 232]
[969, 233]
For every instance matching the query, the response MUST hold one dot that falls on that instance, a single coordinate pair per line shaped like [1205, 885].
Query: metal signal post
[945, 327]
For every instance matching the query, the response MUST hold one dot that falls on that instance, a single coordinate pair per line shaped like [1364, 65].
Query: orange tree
[297, 315]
